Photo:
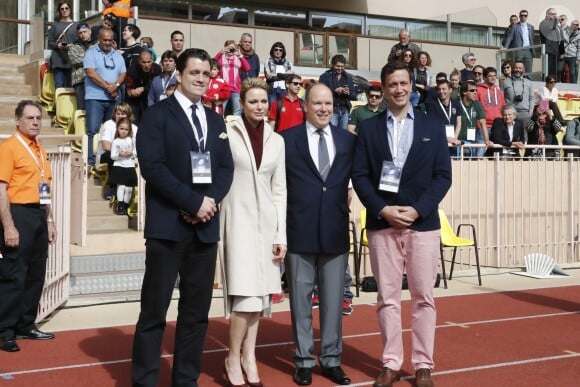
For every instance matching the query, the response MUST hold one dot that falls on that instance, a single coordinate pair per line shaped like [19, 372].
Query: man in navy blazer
[181, 221]
[519, 35]
[318, 167]
[401, 171]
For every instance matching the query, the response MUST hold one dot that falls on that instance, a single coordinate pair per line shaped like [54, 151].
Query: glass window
[340, 44]
[337, 23]
[173, 9]
[384, 27]
[428, 31]
[282, 19]
[310, 49]
[468, 34]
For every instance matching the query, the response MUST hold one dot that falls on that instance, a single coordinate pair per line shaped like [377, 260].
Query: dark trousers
[195, 262]
[22, 269]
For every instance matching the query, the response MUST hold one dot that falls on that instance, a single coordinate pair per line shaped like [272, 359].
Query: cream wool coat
[253, 217]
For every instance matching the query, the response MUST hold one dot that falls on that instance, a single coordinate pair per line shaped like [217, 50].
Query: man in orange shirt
[26, 227]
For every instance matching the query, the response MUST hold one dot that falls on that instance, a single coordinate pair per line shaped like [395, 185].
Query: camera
[518, 98]
[231, 50]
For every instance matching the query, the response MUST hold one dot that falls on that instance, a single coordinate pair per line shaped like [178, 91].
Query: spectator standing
[105, 69]
[343, 91]
[423, 76]
[132, 47]
[26, 226]
[276, 69]
[490, 96]
[552, 36]
[248, 52]
[469, 61]
[138, 83]
[403, 225]
[404, 43]
[473, 126]
[110, 22]
[62, 33]
[123, 174]
[448, 111]
[76, 54]
[572, 136]
[253, 230]
[454, 81]
[513, 21]
[506, 72]
[121, 9]
[218, 91]
[159, 85]
[318, 167]
[572, 51]
[564, 26]
[519, 92]
[232, 64]
[288, 111]
[478, 74]
[177, 42]
[522, 36]
[371, 109]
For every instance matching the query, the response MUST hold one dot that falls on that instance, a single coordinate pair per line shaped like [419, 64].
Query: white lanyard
[40, 163]
[468, 114]
[447, 115]
[164, 84]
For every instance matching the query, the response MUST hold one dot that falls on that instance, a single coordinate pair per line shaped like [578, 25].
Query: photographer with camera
[61, 33]
[232, 64]
[519, 92]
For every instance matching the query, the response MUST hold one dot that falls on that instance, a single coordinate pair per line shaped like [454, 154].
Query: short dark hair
[176, 32]
[441, 75]
[390, 68]
[465, 86]
[191, 53]
[374, 88]
[291, 77]
[444, 81]
[488, 70]
[135, 31]
[19, 111]
[169, 54]
[338, 58]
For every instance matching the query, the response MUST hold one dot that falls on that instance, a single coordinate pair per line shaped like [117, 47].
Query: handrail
[10, 20]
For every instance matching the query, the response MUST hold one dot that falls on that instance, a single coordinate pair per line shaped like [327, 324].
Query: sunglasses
[278, 49]
[64, 8]
[506, 67]
[296, 83]
[551, 81]
[375, 96]
[477, 73]
[522, 15]
[472, 90]
[408, 56]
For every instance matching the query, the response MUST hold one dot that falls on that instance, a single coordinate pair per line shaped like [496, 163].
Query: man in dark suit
[520, 35]
[318, 165]
[401, 171]
[181, 225]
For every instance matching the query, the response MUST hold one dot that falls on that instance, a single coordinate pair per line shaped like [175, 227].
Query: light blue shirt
[525, 35]
[400, 136]
[109, 66]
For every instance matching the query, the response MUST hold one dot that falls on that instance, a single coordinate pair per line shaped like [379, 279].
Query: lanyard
[164, 84]
[40, 163]
[468, 114]
[447, 115]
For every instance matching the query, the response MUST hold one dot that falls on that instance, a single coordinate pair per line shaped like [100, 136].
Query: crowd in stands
[113, 64]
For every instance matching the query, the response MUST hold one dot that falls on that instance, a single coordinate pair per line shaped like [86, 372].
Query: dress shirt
[314, 138]
[400, 136]
[185, 104]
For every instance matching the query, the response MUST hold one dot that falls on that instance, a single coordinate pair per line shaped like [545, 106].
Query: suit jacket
[164, 142]
[500, 136]
[515, 38]
[318, 216]
[425, 178]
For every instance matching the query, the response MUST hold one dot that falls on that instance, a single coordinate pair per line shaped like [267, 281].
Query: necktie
[197, 124]
[323, 158]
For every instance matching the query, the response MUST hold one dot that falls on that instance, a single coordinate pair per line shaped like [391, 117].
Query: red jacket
[492, 99]
[219, 87]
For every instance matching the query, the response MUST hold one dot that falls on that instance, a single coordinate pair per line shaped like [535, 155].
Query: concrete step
[106, 263]
[99, 207]
[13, 59]
[11, 78]
[110, 242]
[21, 90]
[96, 283]
[108, 222]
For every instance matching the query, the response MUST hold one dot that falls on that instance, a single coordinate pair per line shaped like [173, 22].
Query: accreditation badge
[449, 131]
[44, 193]
[390, 177]
[470, 134]
[200, 167]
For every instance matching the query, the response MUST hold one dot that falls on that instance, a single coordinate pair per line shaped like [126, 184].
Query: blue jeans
[234, 103]
[62, 77]
[275, 93]
[98, 111]
[340, 117]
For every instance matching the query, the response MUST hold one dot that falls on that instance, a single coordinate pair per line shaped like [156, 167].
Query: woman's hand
[279, 252]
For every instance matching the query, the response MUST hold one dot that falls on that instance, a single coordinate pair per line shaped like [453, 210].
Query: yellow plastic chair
[79, 126]
[363, 243]
[450, 239]
[66, 106]
[47, 91]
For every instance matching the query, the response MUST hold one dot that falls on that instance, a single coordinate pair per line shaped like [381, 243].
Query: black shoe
[8, 344]
[303, 376]
[336, 374]
[34, 334]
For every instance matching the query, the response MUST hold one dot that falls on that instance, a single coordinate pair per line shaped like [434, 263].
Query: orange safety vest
[120, 9]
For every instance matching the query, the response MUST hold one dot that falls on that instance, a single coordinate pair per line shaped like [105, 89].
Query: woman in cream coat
[253, 225]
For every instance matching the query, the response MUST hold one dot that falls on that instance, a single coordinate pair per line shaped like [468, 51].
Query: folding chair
[362, 243]
[66, 106]
[79, 126]
[450, 239]
[47, 91]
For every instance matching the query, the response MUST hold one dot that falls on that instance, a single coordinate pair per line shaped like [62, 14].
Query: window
[310, 49]
[384, 27]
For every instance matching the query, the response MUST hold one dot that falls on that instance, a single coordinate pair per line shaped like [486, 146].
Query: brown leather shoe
[386, 378]
[423, 378]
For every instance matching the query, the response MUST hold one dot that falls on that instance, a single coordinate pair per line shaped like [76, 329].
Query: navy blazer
[499, 134]
[317, 217]
[426, 175]
[515, 38]
[164, 142]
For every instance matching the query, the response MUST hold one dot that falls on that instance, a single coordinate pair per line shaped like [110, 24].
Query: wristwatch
[118, 84]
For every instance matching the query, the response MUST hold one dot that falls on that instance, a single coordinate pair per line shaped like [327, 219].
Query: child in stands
[123, 173]
[218, 90]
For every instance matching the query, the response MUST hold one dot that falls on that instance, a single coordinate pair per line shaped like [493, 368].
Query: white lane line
[281, 344]
[487, 366]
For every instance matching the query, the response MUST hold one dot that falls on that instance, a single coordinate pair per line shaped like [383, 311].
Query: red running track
[518, 338]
